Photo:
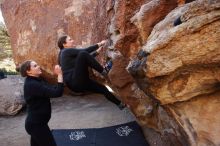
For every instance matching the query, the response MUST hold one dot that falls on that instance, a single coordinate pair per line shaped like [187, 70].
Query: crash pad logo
[123, 131]
[77, 135]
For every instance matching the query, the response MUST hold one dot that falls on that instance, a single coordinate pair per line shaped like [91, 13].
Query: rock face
[173, 81]
[34, 27]
[185, 57]
[183, 67]
[199, 118]
[11, 95]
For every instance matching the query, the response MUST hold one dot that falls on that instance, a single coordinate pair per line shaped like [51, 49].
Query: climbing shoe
[121, 106]
[108, 66]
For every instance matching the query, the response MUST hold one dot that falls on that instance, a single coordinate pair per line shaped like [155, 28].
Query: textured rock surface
[183, 67]
[169, 88]
[187, 54]
[150, 14]
[11, 95]
[200, 119]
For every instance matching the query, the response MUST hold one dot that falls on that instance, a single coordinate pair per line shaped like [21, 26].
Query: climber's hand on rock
[99, 49]
[102, 43]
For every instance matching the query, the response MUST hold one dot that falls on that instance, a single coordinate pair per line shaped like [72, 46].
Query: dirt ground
[70, 112]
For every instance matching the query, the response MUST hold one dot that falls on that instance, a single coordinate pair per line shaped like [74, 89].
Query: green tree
[5, 46]
[6, 61]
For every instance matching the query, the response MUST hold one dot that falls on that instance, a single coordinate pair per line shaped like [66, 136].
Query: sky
[1, 18]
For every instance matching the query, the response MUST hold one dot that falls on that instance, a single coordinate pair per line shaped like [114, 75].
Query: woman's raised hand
[57, 70]
[59, 73]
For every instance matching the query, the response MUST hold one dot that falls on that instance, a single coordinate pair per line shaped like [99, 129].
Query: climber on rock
[75, 63]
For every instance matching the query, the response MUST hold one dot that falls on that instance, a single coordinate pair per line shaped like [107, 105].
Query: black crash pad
[128, 134]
